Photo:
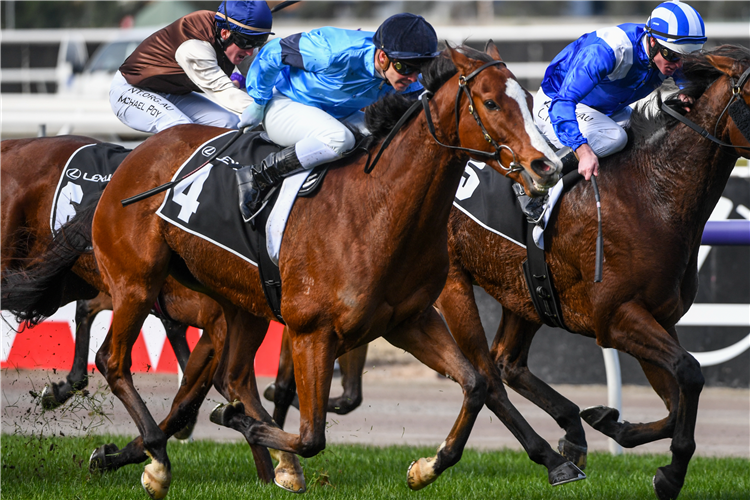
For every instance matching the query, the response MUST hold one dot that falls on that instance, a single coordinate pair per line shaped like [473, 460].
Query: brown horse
[30, 172]
[375, 271]
[656, 200]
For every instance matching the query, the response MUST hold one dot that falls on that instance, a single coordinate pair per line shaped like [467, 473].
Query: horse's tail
[35, 293]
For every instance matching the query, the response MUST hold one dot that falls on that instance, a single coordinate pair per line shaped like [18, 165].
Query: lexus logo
[208, 151]
[73, 173]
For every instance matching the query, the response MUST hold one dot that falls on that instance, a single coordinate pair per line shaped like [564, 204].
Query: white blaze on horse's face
[514, 90]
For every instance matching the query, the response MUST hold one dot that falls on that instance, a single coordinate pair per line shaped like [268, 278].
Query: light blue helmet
[677, 26]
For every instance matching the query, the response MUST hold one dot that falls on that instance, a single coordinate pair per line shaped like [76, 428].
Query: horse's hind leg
[54, 395]
[459, 308]
[429, 341]
[510, 350]
[635, 331]
[192, 392]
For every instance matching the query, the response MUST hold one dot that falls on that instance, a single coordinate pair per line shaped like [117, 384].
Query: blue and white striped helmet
[677, 26]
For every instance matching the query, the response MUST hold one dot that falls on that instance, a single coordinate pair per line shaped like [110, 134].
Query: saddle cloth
[205, 203]
[86, 174]
[487, 198]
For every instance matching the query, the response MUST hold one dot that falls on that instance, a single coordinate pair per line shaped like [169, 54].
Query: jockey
[308, 87]
[585, 95]
[160, 84]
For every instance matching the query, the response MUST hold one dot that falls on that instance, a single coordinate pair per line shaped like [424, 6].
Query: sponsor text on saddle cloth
[205, 203]
[86, 174]
[487, 197]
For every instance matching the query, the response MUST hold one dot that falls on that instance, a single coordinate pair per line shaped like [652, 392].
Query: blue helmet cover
[406, 36]
[677, 26]
[246, 17]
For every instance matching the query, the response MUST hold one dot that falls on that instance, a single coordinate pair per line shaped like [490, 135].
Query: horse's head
[734, 62]
[494, 115]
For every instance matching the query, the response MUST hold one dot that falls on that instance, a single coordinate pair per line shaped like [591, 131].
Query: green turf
[56, 467]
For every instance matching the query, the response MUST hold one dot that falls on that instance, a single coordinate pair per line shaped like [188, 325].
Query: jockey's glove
[251, 117]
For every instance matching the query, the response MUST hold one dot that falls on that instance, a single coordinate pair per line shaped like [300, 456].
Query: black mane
[647, 126]
[381, 117]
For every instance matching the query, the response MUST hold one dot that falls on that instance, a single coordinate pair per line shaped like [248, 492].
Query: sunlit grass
[57, 467]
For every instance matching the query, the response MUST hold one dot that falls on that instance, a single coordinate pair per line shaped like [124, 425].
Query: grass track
[56, 467]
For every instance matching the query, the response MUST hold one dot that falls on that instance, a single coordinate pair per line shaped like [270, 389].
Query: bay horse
[29, 173]
[656, 198]
[375, 270]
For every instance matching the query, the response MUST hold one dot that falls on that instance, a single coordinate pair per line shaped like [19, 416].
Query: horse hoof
[288, 474]
[565, 473]
[421, 473]
[270, 392]
[223, 413]
[49, 398]
[186, 431]
[598, 416]
[573, 452]
[664, 488]
[155, 480]
[99, 461]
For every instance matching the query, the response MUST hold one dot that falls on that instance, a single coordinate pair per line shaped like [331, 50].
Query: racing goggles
[405, 69]
[669, 55]
[248, 42]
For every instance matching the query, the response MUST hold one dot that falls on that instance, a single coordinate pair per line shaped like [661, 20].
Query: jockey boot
[532, 208]
[254, 181]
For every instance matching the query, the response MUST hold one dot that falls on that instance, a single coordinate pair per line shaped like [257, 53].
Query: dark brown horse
[375, 271]
[30, 172]
[656, 198]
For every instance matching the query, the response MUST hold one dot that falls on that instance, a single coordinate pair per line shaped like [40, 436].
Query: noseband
[738, 110]
[424, 101]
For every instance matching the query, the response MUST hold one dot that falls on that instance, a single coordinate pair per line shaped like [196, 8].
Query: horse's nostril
[541, 166]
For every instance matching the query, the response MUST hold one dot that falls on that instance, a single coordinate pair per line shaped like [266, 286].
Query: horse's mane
[647, 125]
[381, 117]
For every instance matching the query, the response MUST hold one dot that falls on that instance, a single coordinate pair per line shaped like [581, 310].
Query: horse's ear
[460, 60]
[726, 65]
[491, 49]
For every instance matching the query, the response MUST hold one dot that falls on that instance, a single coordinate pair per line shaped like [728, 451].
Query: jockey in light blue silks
[307, 86]
[585, 96]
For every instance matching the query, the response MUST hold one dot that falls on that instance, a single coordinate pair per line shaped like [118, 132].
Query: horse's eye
[491, 105]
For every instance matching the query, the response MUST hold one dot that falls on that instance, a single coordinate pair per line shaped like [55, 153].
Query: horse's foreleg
[351, 364]
[635, 331]
[283, 392]
[429, 341]
[459, 308]
[510, 350]
[236, 378]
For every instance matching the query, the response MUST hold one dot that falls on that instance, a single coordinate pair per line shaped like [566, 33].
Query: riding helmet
[406, 36]
[677, 26]
[245, 18]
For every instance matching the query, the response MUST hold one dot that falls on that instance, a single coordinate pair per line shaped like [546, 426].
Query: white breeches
[604, 134]
[318, 136]
[153, 112]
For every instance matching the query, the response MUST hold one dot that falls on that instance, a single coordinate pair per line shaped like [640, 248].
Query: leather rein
[424, 103]
[737, 108]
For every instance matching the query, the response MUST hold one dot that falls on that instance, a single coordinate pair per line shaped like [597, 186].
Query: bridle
[424, 103]
[738, 110]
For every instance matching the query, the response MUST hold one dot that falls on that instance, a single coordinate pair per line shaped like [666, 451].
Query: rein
[737, 110]
[424, 100]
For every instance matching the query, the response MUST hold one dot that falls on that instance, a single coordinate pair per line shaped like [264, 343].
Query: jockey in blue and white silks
[308, 87]
[585, 96]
